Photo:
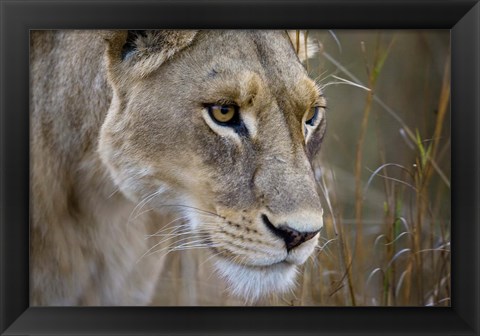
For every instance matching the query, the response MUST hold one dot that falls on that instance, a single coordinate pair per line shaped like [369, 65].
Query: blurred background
[384, 174]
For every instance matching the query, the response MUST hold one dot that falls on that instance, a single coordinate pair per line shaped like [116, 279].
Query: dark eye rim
[234, 122]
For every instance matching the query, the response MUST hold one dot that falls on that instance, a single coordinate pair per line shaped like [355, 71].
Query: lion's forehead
[226, 56]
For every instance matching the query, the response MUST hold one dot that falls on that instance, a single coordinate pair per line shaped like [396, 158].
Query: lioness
[215, 131]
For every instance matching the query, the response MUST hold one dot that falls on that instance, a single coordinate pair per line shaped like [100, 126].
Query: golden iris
[222, 113]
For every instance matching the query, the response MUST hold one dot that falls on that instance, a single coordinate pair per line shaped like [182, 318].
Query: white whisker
[140, 205]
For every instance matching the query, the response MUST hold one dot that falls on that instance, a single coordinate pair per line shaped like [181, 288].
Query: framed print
[162, 172]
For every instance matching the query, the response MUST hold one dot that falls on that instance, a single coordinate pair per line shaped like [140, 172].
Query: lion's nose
[292, 237]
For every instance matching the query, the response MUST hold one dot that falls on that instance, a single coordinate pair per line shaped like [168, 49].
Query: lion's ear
[139, 52]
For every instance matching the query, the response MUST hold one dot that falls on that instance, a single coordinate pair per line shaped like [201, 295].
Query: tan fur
[118, 131]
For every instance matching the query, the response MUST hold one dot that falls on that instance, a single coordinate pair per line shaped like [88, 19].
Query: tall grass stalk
[372, 73]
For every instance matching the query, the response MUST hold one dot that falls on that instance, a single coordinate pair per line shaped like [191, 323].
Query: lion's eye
[312, 115]
[224, 114]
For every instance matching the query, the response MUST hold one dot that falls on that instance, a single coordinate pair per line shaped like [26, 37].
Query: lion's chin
[254, 282]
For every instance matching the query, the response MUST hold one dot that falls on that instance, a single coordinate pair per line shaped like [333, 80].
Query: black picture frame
[17, 17]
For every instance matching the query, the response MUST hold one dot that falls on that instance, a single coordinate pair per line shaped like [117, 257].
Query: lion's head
[221, 127]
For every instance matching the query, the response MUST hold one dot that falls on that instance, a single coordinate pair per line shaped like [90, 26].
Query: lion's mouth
[281, 258]
[275, 258]
[280, 263]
